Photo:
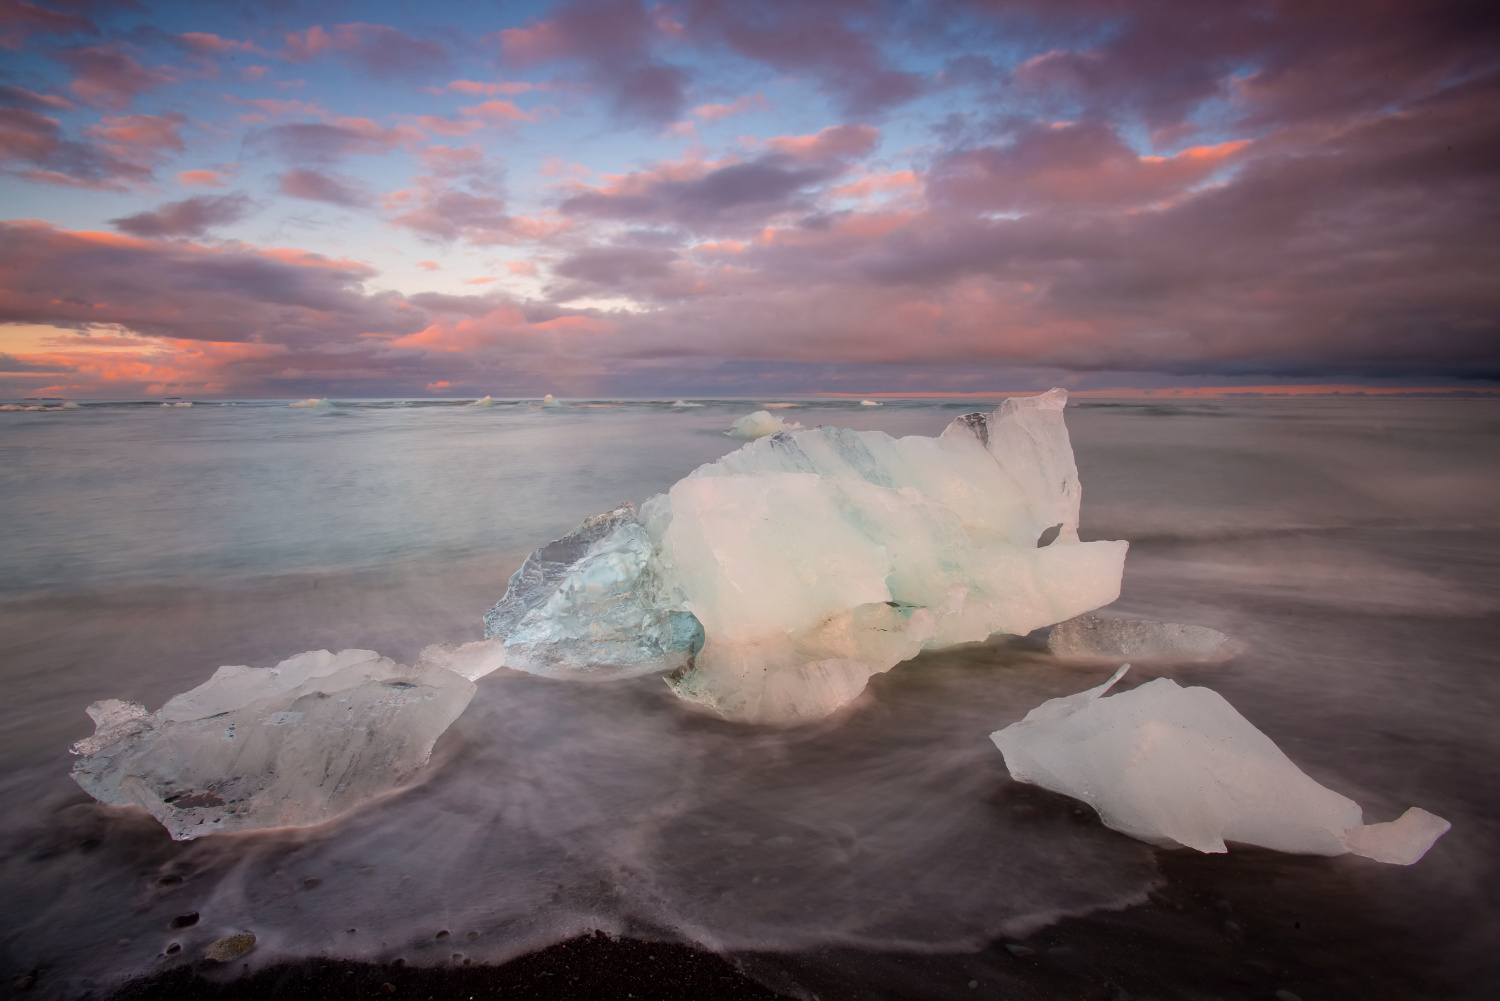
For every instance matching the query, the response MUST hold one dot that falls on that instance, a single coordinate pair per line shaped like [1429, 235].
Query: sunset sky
[282, 199]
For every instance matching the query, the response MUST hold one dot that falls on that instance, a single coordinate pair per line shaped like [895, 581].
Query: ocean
[1350, 544]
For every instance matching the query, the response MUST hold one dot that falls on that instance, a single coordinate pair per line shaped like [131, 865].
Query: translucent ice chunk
[1094, 637]
[758, 425]
[1179, 767]
[592, 604]
[549, 401]
[312, 403]
[483, 401]
[807, 561]
[286, 746]
[870, 403]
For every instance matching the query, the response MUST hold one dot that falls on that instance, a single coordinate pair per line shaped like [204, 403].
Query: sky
[607, 197]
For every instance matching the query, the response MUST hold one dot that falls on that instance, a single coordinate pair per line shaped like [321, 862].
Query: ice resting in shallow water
[1180, 767]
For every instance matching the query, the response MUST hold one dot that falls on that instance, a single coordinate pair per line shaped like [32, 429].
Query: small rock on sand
[227, 950]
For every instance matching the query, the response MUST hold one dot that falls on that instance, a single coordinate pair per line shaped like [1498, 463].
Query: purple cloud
[189, 217]
[314, 186]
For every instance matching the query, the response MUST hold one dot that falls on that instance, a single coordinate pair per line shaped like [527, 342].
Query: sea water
[1350, 545]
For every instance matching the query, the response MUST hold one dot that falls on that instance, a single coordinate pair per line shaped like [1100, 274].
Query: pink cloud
[145, 132]
[429, 265]
[496, 112]
[477, 89]
[377, 48]
[312, 185]
[19, 20]
[108, 77]
[744, 105]
[835, 141]
[1073, 165]
[202, 179]
[205, 43]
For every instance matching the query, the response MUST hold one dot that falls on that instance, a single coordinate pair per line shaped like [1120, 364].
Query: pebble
[441, 935]
[973, 984]
[184, 920]
[172, 949]
[227, 950]
[388, 988]
[1286, 996]
[312, 883]
[473, 935]
[26, 983]
[168, 881]
[1020, 951]
[1233, 930]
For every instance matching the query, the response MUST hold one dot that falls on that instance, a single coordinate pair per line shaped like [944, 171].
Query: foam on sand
[286, 746]
[1179, 766]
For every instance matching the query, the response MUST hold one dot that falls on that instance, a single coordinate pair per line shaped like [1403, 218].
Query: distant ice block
[1180, 767]
[758, 425]
[870, 403]
[312, 403]
[483, 401]
[286, 746]
[812, 560]
[548, 401]
[593, 604]
[1095, 637]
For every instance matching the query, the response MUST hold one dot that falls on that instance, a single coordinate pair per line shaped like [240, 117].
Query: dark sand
[1245, 925]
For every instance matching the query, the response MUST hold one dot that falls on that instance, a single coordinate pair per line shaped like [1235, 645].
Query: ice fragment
[285, 746]
[1095, 637]
[1180, 767]
[758, 425]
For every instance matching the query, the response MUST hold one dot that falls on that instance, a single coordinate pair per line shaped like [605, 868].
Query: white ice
[312, 403]
[483, 401]
[549, 401]
[869, 403]
[758, 425]
[812, 560]
[1180, 767]
[1095, 637]
[286, 746]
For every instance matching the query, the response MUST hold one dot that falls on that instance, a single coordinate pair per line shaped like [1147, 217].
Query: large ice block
[758, 425]
[1179, 766]
[814, 559]
[286, 746]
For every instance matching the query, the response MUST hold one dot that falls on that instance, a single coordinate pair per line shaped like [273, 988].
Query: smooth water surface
[1351, 544]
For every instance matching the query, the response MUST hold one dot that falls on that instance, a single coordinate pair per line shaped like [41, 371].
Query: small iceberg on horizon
[1179, 767]
[871, 403]
[483, 401]
[550, 401]
[758, 425]
[312, 403]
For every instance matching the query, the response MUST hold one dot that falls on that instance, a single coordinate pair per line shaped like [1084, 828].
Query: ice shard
[593, 604]
[1179, 766]
[814, 559]
[286, 746]
[1095, 638]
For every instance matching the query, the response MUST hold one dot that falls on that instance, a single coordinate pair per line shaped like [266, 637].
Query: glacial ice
[811, 560]
[312, 403]
[593, 605]
[1180, 767]
[758, 425]
[1095, 637]
[286, 746]
[870, 403]
[549, 401]
[483, 401]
